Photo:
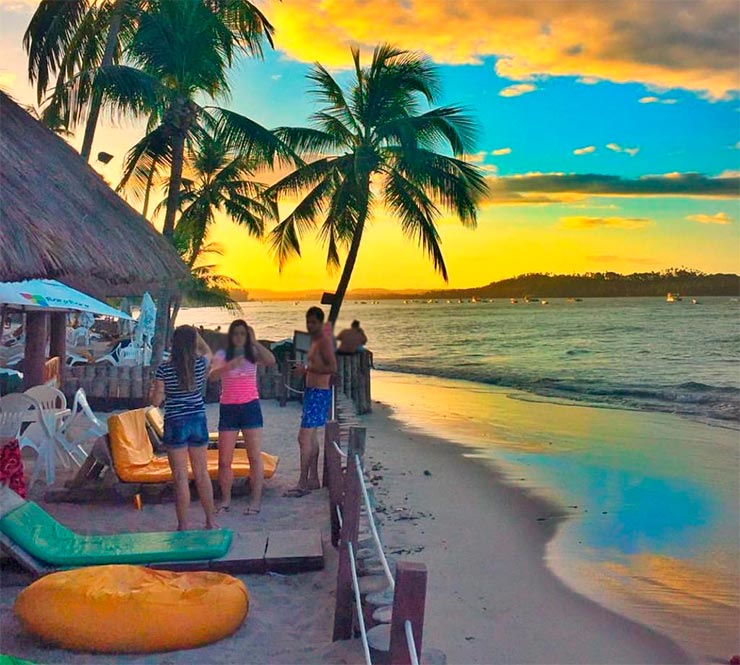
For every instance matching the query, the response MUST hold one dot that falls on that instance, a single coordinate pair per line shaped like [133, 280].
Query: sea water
[625, 412]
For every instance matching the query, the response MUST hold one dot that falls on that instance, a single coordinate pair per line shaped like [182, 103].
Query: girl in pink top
[240, 409]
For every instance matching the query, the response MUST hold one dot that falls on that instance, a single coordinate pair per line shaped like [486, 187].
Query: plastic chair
[37, 435]
[52, 401]
[81, 425]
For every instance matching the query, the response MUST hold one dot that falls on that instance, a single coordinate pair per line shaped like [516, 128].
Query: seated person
[351, 340]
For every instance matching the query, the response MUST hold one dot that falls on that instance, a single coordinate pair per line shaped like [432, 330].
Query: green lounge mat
[39, 534]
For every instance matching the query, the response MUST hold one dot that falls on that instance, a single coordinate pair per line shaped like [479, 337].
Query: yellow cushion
[132, 609]
[134, 460]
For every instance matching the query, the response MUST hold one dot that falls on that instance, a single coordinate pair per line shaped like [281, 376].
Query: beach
[490, 598]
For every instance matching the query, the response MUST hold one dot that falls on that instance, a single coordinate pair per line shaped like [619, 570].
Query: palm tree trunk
[173, 196]
[97, 99]
[148, 191]
[349, 266]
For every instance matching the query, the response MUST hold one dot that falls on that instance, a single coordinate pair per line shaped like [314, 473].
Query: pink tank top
[239, 385]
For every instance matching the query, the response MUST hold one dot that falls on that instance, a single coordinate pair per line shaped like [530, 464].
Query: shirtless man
[321, 365]
[351, 339]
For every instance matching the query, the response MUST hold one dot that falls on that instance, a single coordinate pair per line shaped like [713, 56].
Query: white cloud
[517, 89]
[718, 218]
[615, 147]
[656, 100]
[584, 151]
[276, 77]
[506, 151]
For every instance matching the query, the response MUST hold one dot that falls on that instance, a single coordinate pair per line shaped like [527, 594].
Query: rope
[339, 516]
[373, 528]
[339, 450]
[358, 602]
[293, 390]
[410, 643]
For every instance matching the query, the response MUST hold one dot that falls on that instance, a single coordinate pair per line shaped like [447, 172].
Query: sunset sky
[609, 130]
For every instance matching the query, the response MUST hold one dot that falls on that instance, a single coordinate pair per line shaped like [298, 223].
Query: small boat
[513, 301]
[474, 300]
[531, 299]
[673, 297]
[544, 302]
[694, 301]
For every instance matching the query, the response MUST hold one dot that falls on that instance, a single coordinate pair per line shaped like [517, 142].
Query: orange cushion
[132, 609]
[134, 460]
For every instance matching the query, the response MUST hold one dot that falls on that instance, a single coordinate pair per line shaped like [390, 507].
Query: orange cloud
[615, 147]
[579, 223]
[719, 218]
[517, 90]
[655, 43]
[656, 100]
[505, 151]
[584, 151]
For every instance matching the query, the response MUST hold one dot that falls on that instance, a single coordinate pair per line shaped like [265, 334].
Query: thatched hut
[60, 220]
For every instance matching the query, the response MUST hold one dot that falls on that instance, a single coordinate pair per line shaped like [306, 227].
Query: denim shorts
[316, 405]
[189, 430]
[235, 417]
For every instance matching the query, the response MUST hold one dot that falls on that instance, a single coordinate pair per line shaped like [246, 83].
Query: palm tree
[374, 145]
[218, 180]
[72, 39]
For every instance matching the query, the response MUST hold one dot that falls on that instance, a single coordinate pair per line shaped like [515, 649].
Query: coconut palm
[373, 145]
[217, 180]
[70, 40]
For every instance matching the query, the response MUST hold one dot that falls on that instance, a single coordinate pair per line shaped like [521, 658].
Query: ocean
[623, 412]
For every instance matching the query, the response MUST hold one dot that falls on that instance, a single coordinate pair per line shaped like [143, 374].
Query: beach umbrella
[48, 295]
[146, 323]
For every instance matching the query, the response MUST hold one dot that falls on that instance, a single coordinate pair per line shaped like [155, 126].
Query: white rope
[411, 644]
[293, 390]
[373, 528]
[358, 602]
[339, 516]
[339, 450]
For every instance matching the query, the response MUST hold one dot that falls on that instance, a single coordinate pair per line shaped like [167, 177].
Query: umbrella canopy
[60, 220]
[48, 295]
[146, 324]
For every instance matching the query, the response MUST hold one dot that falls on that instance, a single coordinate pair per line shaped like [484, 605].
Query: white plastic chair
[81, 425]
[52, 401]
[37, 436]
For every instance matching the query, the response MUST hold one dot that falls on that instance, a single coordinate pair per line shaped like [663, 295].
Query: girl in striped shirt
[179, 383]
[240, 409]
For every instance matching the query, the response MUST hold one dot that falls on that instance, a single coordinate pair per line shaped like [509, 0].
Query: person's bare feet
[183, 527]
[252, 510]
[223, 509]
[211, 525]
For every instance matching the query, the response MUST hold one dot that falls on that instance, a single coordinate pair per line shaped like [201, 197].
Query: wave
[690, 398]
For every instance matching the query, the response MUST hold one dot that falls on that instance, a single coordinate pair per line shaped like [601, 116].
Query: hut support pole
[35, 356]
[58, 341]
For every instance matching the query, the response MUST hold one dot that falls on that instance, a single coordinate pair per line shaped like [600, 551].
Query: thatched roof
[60, 220]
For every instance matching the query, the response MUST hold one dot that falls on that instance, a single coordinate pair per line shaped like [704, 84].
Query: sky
[609, 132]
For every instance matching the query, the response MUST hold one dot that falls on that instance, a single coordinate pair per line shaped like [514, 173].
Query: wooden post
[58, 342]
[408, 604]
[333, 477]
[350, 522]
[35, 356]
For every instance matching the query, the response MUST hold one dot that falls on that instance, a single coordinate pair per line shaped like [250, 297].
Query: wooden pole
[408, 605]
[283, 388]
[35, 355]
[58, 342]
[350, 523]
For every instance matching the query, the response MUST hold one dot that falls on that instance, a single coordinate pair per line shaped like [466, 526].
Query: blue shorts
[235, 417]
[316, 404]
[190, 430]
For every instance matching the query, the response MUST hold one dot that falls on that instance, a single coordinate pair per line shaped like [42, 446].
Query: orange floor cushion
[132, 609]
[135, 462]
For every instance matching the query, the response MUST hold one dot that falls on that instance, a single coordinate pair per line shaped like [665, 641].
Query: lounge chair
[27, 529]
[42, 545]
[134, 460]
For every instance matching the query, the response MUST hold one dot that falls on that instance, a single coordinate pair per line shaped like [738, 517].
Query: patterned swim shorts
[316, 403]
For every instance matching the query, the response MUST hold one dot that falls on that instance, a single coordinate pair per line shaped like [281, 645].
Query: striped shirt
[238, 385]
[177, 402]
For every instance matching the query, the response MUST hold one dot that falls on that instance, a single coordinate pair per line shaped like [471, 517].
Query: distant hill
[588, 285]
[602, 284]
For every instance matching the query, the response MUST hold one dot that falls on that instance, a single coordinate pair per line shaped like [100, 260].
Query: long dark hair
[231, 349]
[183, 356]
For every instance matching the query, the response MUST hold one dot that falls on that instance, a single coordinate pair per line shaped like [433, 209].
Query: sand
[490, 597]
